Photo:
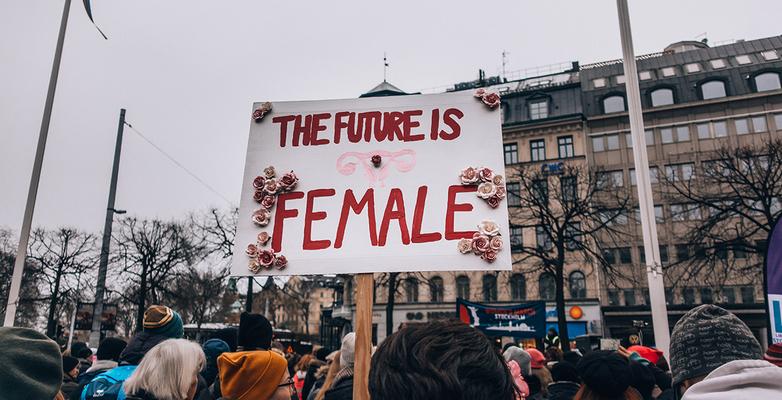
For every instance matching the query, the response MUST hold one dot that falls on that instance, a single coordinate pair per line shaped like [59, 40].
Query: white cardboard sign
[346, 214]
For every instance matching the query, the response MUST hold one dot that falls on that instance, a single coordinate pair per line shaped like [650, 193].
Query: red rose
[486, 174]
[376, 160]
[493, 201]
[258, 114]
[489, 256]
[491, 99]
[480, 243]
[261, 216]
[480, 93]
[500, 193]
[252, 250]
[258, 182]
[281, 262]
[258, 196]
[267, 202]
[288, 181]
[263, 238]
[266, 258]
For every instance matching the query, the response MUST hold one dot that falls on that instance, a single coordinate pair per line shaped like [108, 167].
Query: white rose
[489, 228]
[486, 190]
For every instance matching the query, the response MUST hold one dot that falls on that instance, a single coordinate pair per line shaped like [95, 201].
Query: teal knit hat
[163, 321]
[32, 365]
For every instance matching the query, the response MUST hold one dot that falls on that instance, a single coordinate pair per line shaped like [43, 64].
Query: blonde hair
[167, 371]
[334, 368]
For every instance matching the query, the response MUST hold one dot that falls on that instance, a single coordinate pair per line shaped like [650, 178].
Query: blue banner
[524, 321]
[773, 278]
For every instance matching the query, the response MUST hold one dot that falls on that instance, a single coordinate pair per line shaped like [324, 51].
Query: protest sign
[374, 185]
[773, 280]
[84, 313]
[526, 320]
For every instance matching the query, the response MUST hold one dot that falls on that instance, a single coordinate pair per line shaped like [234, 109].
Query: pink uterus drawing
[402, 160]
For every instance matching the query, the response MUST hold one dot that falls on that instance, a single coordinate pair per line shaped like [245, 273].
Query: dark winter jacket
[69, 386]
[141, 396]
[341, 390]
[562, 390]
[310, 379]
[139, 345]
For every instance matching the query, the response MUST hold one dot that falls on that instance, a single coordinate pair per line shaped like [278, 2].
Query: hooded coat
[741, 379]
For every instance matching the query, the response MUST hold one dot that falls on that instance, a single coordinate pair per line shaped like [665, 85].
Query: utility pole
[32, 194]
[645, 201]
[100, 288]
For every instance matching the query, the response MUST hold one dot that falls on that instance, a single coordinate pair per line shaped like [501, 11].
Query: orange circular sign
[576, 312]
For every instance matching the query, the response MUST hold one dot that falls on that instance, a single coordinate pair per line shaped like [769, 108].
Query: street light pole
[32, 194]
[645, 201]
[100, 288]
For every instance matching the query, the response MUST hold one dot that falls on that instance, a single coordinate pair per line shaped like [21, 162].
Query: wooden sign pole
[363, 328]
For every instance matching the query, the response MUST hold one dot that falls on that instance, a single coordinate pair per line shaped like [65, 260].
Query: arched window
[411, 290]
[518, 287]
[661, 97]
[489, 287]
[463, 287]
[436, 289]
[713, 90]
[613, 103]
[767, 81]
[578, 288]
[546, 286]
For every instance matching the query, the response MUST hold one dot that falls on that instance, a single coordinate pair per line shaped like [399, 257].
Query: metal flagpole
[32, 194]
[645, 201]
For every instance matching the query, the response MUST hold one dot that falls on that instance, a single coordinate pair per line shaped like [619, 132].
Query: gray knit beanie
[706, 338]
[32, 365]
[521, 357]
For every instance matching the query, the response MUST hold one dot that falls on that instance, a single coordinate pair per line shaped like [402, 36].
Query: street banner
[84, 313]
[773, 276]
[525, 321]
[383, 184]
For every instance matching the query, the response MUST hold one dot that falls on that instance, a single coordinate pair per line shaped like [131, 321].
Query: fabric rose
[495, 243]
[376, 160]
[491, 99]
[258, 196]
[267, 202]
[489, 255]
[486, 174]
[493, 201]
[281, 262]
[254, 266]
[262, 216]
[469, 175]
[269, 172]
[480, 244]
[500, 193]
[486, 190]
[288, 181]
[252, 250]
[258, 182]
[259, 112]
[266, 258]
[489, 228]
[464, 245]
[271, 186]
[263, 238]
[498, 180]
[480, 93]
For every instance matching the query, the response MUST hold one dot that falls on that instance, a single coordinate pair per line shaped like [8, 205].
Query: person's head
[571, 356]
[334, 368]
[521, 357]
[604, 373]
[255, 332]
[163, 321]
[212, 349]
[70, 366]
[439, 360]
[643, 379]
[80, 350]
[774, 354]
[706, 338]
[347, 351]
[322, 353]
[564, 372]
[553, 354]
[169, 371]
[304, 362]
[538, 360]
[552, 332]
[255, 375]
[110, 349]
[32, 365]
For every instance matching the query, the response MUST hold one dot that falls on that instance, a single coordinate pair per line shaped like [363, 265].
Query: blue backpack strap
[112, 382]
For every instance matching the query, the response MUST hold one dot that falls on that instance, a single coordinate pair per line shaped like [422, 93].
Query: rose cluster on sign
[491, 186]
[485, 243]
[267, 186]
[491, 99]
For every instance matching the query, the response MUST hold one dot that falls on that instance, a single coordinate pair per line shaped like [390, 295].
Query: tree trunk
[564, 338]
[142, 297]
[391, 302]
[51, 323]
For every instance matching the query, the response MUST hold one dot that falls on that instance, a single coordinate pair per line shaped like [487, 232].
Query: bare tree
[393, 282]
[574, 214]
[217, 230]
[198, 294]
[27, 311]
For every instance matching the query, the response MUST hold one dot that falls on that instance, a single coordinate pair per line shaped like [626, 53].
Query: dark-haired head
[439, 360]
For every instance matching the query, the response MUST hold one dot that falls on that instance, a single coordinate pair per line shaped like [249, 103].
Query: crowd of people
[713, 356]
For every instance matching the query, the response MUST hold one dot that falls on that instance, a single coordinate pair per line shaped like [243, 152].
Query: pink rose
[258, 182]
[258, 196]
[267, 202]
[480, 93]
[262, 216]
[464, 246]
[263, 238]
[491, 99]
[469, 176]
[252, 250]
[486, 174]
[269, 172]
[271, 186]
[486, 190]
[254, 266]
[480, 243]
[266, 258]
[489, 255]
[281, 262]
[288, 181]
[493, 201]
[495, 243]
[259, 112]
[500, 193]
[498, 180]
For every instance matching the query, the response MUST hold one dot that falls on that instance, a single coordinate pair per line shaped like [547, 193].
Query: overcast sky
[188, 72]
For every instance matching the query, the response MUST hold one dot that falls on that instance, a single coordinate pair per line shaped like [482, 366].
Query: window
[770, 55]
[620, 79]
[688, 295]
[666, 135]
[778, 121]
[610, 179]
[658, 214]
[577, 283]
[540, 191]
[692, 68]
[625, 255]
[612, 142]
[679, 172]
[565, 144]
[511, 151]
[668, 71]
[743, 59]
[663, 254]
[463, 287]
[609, 256]
[598, 144]
[599, 82]
[516, 238]
[613, 297]
[767, 81]
[537, 150]
[546, 286]
[682, 252]
[513, 190]
[669, 295]
[411, 290]
[542, 238]
[489, 287]
[707, 296]
[662, 97]
[436, 289]
[629, 297]
[568, 186]
[612, 104]
[718, 63]
[742, 126]
[649, 137]
[749, 125]
[645, 75]
[713, 90]
[682, 133]
[711, 130]
[685, 212]
[645, 293]
[538, 109]
[720, 128]
[573, 235]
[759, 124]
[654, 175]
[518, 287]
[747, 294]
[728, 295]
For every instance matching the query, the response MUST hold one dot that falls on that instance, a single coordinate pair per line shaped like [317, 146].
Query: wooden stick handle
[365, 284]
